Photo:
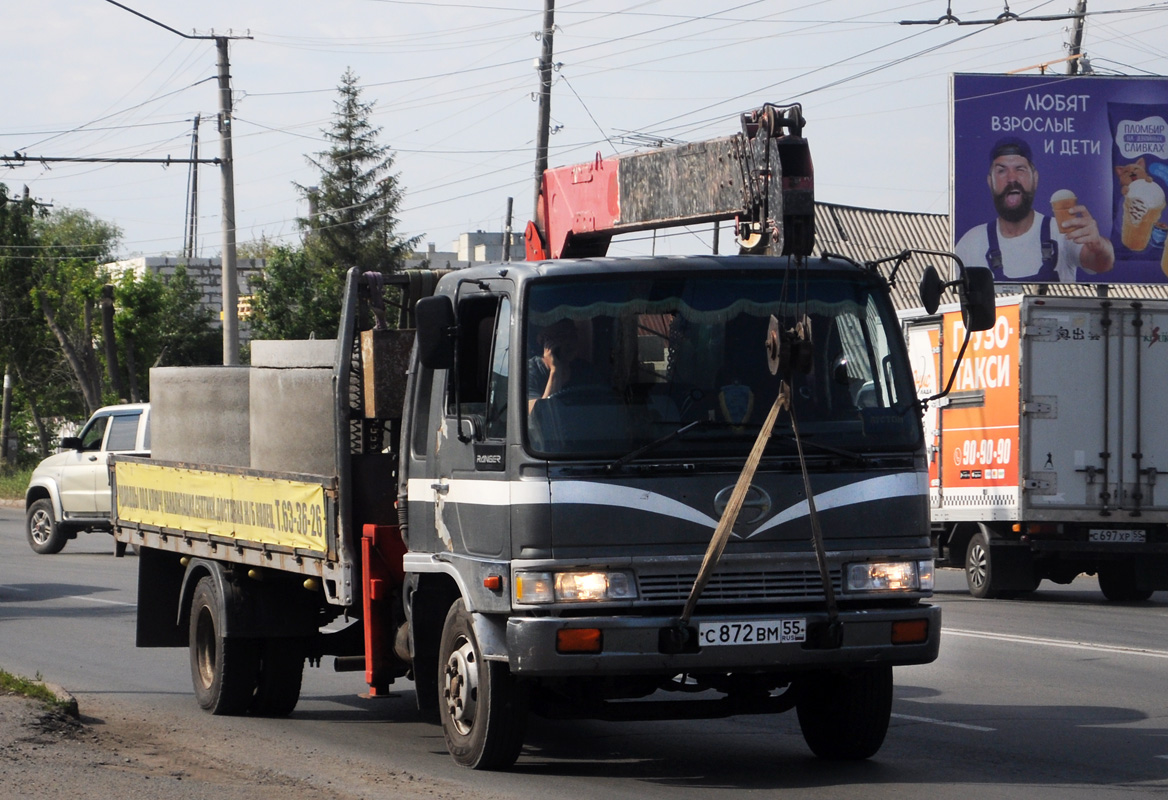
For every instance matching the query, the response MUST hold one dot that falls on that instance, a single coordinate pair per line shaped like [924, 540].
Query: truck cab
[564, 529]
[69, 491]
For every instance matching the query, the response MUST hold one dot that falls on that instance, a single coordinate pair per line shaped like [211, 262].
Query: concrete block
[294, 354]
[201, 415]
[292, 420]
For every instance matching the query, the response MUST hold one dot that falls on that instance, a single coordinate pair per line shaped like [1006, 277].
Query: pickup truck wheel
[482, 709]
[1118, 584]
[45, 536]
[844, 716]
[978, 569]
[224, 671]
[280, 675]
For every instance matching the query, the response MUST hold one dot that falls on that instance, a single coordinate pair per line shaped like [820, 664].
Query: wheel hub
[461, 686]
[977, 565]
[41, 528]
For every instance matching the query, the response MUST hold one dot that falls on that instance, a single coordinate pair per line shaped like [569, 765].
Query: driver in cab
[558, 366]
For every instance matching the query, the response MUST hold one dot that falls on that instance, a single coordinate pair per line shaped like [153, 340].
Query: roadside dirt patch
[47, 754]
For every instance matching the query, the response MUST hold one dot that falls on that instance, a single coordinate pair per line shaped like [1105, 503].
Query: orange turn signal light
[579, 640]
[493, 583]
[910, 631]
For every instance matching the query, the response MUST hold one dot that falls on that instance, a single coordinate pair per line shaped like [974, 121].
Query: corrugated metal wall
[867, 234]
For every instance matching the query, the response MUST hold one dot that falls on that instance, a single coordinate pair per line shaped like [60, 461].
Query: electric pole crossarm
[21, 158]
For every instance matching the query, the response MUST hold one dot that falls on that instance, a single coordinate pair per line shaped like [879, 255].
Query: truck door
[81, 473]
[468, 462]
[925, 357]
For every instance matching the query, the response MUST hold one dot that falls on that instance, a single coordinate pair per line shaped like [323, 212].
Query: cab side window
[479, 320]
[496, 422]
[94, 434]
[123, 433]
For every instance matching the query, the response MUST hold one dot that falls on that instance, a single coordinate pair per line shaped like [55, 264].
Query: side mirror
[975, 288]
[931, 288]
[978, 306]
[70, 443]
[436, 325]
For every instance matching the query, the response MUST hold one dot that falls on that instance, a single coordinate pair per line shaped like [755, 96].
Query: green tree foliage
[353, 223]
[294, 298]
[161, 323]
[357, 200]
[51, 337]
[71, 243]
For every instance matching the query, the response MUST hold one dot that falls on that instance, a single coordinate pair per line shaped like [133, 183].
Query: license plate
[768, 631]
[1117, 535]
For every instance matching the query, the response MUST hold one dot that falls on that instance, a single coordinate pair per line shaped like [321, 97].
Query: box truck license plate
[1116, 535]
[775, 631]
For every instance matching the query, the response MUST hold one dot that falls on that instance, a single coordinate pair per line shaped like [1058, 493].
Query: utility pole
[227, 170]
[1076, 45]
[543, 128]
[193, 195]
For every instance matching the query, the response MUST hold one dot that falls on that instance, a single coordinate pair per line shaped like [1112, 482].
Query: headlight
[573, 587]
[892, 576]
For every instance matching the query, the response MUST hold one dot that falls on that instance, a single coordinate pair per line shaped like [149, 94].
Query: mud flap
[1012, 566]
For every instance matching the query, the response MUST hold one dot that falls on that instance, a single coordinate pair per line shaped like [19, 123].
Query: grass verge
[34, 688]
[13, 482]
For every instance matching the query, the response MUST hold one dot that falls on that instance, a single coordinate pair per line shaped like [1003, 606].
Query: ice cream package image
[1140, 163]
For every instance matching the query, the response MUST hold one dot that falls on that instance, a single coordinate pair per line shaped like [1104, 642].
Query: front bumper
[631, 645]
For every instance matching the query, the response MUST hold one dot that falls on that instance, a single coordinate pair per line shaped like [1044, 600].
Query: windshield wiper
[653, 445]
[827, 448]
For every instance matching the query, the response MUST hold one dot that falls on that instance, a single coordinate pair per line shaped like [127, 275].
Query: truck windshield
[614, 363]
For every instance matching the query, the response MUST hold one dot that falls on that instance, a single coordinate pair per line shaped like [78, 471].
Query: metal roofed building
[869, 234]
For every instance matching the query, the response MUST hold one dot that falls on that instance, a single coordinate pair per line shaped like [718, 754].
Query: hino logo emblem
[754, 507]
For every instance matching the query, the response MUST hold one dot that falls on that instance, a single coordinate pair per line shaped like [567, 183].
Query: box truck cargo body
[1045, 459]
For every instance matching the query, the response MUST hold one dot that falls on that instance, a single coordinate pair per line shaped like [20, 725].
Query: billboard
[1060, 178]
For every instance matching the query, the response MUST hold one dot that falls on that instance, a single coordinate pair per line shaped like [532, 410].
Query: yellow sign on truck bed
[230, 504]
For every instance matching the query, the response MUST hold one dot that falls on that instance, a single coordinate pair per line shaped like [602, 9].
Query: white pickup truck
[69, 492]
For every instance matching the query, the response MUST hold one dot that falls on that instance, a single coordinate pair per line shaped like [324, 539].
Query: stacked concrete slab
[200, 415]
[292, 406]
[276, 415]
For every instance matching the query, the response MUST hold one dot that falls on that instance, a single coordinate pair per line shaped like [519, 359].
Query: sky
[452, 85]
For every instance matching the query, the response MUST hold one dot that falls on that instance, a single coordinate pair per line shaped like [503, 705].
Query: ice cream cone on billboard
[1142, 207]
[1061, 203]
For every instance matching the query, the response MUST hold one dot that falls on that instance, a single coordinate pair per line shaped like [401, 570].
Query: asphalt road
[1059, 695]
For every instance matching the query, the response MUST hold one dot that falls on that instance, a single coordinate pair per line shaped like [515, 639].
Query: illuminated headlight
[892, 576]
[573, 587]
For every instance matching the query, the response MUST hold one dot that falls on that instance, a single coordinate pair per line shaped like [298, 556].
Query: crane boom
[761, 177]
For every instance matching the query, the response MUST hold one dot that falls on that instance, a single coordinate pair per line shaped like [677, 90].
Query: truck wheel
[844, 716]
[44, 534]
[1118, 584]
[482, 709]
[281, 672]
[224, 671]
[978, 570]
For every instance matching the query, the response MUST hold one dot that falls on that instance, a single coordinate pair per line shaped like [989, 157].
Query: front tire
[482, 709]
[224, 671]
[45, 535]
[979, 573]
[844, 716]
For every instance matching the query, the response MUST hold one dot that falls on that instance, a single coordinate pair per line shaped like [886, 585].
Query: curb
[67, 701]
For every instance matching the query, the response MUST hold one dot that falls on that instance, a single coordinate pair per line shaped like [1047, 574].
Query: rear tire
[482, 708]
[45, 534]
[1118, 584]
[844, 716]
[281, 673]
[224, 671]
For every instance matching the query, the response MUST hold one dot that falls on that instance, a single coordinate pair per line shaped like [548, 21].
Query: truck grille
[737, 586]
